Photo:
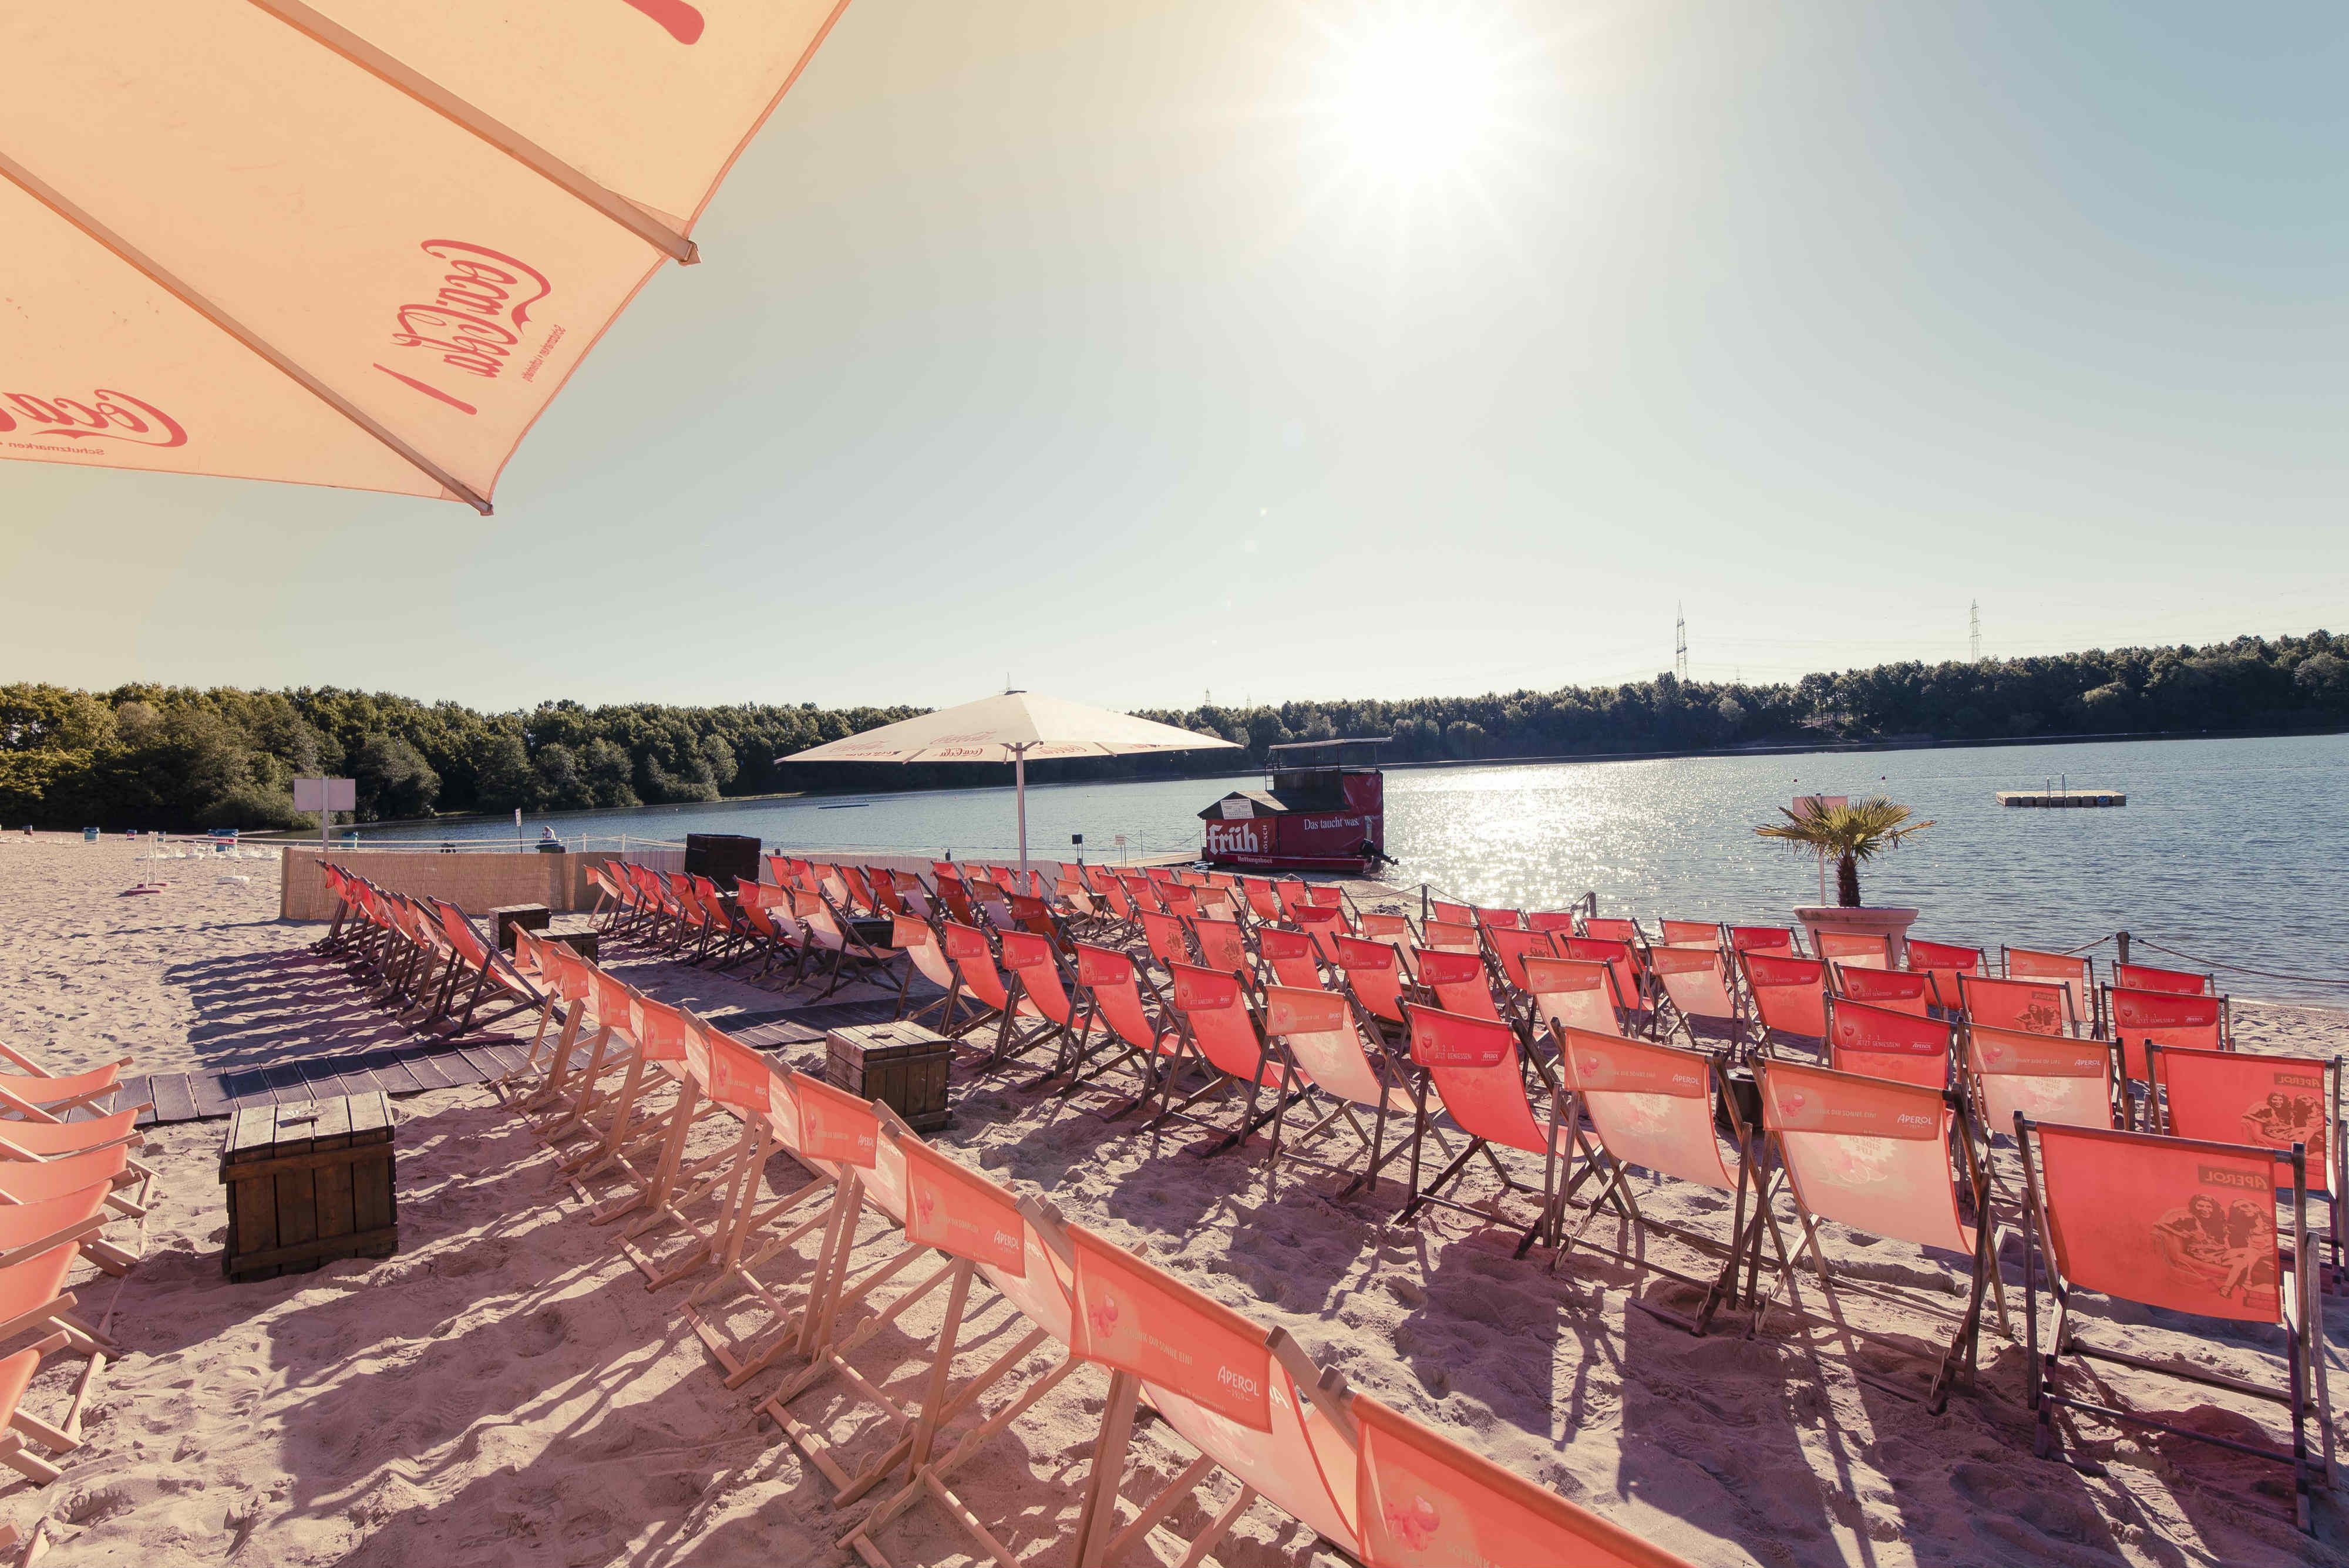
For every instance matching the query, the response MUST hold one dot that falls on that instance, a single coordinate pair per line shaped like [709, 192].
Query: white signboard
[1237, 808]
[326, 795]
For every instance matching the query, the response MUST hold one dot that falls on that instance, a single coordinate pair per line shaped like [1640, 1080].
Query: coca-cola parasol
[1014, 727]
[357, 242]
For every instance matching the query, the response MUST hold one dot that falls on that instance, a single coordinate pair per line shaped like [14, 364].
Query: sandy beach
[506, 1391]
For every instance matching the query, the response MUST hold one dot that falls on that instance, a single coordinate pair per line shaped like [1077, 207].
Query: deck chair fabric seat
[1942, 964]
[1473, 1071]
[1575, 994]
[1690, 933]
[1856, 949]
[2047, 1078]
[2032, 1006]
[1292, 957]
[1885, 1042]
[1373, 975]
[1789, 997]
[1899, 990]
[2073, 972]
[2165, 1018]
[45, 1097]
[1695, 981]
[2147, 977]
[2186, 1225]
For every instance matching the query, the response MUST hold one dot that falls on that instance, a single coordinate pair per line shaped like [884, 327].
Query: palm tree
[1859, 831]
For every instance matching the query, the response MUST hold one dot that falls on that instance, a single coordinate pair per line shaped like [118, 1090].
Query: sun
[1414, 93]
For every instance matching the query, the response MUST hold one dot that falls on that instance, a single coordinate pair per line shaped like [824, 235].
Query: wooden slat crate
[903, 1066]
[308, 1182]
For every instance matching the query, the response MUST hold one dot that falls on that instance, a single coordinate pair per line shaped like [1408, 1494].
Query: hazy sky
[1292, 350]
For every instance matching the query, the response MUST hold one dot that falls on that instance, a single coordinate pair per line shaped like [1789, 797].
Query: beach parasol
[1012, 727]
[357, 242]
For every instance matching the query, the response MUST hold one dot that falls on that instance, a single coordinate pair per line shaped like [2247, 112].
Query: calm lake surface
[2232, 850]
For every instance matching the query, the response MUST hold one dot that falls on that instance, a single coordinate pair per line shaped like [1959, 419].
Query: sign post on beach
[326, 796]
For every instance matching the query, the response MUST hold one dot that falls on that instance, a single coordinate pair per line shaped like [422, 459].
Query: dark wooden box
[506, 916]
[309, 1183]
[903, 1066]
[584, 943]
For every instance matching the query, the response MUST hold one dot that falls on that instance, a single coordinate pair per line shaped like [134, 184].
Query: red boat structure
[1323, 808]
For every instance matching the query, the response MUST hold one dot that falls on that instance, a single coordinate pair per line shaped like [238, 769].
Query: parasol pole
[1020, 792]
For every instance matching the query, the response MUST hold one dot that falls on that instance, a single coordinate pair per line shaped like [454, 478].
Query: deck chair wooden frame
[695, 1196]
[1223, 1036]
[2185, 1262]
[1472, 1069]
[1347, 1074]
[29, 1445]
[1809, 1102]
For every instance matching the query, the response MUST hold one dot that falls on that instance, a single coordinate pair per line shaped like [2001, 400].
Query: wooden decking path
[413, 1067]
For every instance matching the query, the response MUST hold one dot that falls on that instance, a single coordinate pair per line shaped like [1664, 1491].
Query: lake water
[2234, 850]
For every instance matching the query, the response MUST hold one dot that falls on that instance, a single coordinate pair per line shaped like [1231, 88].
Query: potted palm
[1850, 833]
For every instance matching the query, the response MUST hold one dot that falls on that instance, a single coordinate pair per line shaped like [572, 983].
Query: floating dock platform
[2058, 797]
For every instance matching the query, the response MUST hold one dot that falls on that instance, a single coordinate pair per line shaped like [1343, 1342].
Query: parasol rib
[505, 137]
[49, 197]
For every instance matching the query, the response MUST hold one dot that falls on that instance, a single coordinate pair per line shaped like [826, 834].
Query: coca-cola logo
[104, 415]
[471, 323]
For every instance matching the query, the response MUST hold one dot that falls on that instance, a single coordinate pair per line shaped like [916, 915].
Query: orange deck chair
[1690, 934]
[2034, 1006]
[1901, 991]
[1942, 963]
[1777, 940]
[1623, 958]
[1222, 1037]
[954, 1214]
[1165, 939]
[1875, 1154]
[1289, 956]
[1114, 989]
[1218, 1381]
[1038, 1286]
[2075, 973]
[1041, 1001]
[1349, 1074]
[2146, 977]
[761, 1301]
[1473, 1072]
[1789, 998]
[978, 980]
[695, 1197]
[1696, 981]
[2185, 1225]
[1577, 994]
[1449, 936]
[1223, 945]
[1325, 923]
[1653, 1108]
[1889, 1043]
[2144, 1018]
[2048, 1079]
[1372, 974]
[2230, 1096]
[918, 941]
[1422, 1499]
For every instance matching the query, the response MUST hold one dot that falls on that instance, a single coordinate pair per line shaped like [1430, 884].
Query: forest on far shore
[145, 756]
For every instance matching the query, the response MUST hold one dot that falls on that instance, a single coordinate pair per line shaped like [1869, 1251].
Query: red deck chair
[1393, 929]
[980, 980]
[1789, 997]
[1942, 963]
[1630, 972]
[1856, 949]
[1777, 940]
[1325, 923]
[1885, 1043]
[1458, 983]
[1293, 895]
[1181, 902]
[1508, 946]
[1498, 919]
[1373, 972]
[492, 977]
[1422, 1499]
[1348, 1073]
[1119, 900]
[1035, 915]
[2230, 1096]
[1034, 965]
[1652, 1106]
[1221, 1034]
[957, 899]
[1114, 988]
[1552, 921]
[2047, 1078]
[1690, 934]
[1574, 993]
[2145, 977]
[1216, 1380]
[1695, 981]
[1614, 929]
[1897, 989]
[1875, 1154]
[1473, 1072]
[1290, 956]
[2034, 1006]
[1450, 936]
[2181, 1224]
[918, 941]
[1263, 899]
[1223, 945]
[2140, 1018]
[1165, 937]
[2076, 972]
[1442, 909]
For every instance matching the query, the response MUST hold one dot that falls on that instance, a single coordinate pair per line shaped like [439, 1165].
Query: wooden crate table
[506, 916]
[584, 943]
[903, 1066]
[309, 1183]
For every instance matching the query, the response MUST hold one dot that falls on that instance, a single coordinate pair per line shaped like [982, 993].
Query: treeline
[174, 757]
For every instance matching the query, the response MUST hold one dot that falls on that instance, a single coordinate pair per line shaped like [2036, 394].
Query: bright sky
[1290, 350]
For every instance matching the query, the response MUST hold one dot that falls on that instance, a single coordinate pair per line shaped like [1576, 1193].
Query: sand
[505, 1390]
